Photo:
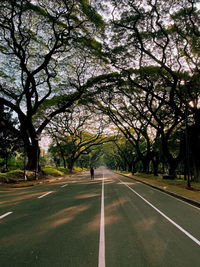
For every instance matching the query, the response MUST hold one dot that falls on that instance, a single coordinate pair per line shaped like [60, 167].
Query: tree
[76, 134]
[118, 105]
[38, 43]
[92, 158]
[153, 45]
[111, 157]
[9, 141]
[164, 35]
[127, 154]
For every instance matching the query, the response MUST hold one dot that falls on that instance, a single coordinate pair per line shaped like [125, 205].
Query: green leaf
[3, 49]
[37, 9]
[92, 15]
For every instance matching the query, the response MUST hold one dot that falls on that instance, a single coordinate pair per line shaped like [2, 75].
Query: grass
[15, 176]
[59, 171]
[159, 179]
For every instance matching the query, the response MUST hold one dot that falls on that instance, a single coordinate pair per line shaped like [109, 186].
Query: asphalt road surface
[110, 221]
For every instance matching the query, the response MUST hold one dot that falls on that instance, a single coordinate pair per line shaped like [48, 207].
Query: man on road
[92, 173]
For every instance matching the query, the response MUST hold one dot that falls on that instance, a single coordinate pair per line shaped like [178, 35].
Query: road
[111, 221]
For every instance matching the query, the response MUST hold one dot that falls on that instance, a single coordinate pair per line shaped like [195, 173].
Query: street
[109, 221]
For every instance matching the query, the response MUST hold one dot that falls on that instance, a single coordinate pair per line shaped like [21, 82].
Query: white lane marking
[64, 185]
[195, 207]
[102, 231]
[169, 195]
[165, 216]
[45, 194]
[6, 214]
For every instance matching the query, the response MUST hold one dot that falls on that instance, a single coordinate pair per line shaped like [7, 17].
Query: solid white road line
[195, 207]
[45, 194]
[165, 216]
[6, 214]
[102, 231]
[64, 185]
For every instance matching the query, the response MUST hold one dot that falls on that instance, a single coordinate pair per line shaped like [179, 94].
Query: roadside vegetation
[18, 175]
[115, 83]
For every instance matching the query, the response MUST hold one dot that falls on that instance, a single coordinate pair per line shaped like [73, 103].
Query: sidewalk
[176, 188]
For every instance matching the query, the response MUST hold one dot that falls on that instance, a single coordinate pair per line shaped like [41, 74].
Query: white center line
[102, 231]
[165, 216]
[64, 185]
[6, 214]
[45, 194]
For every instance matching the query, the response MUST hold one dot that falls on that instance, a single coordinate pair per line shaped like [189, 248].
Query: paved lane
[60, 229]
[137, 235]
[109, 222]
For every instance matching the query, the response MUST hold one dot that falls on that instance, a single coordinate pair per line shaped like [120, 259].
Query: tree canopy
[46, 51]
[136, 62]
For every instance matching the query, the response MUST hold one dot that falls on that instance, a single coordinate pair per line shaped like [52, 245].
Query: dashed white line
[165, 216]
[45, 194]
[64, 185]
[102, 231]
[6, 214]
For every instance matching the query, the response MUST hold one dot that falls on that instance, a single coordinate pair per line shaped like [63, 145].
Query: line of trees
[142, 73]
[123, 155]
[153, 97]
[77, 138]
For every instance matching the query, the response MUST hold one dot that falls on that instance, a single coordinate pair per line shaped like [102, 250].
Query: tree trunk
[64, 162]
[61, 153]
[194, 147]
[155, 167]
[33, 154]
[155, 162]
[133, 169]
[6, 161]
[196, 173]
[130, 168]
[70, 165]
[172, 167]
[171, 161]
[31, 144]
[145, 164]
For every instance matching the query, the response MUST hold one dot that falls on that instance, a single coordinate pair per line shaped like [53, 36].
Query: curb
[188, 200]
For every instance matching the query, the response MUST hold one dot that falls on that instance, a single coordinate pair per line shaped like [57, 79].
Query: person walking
[92, 173]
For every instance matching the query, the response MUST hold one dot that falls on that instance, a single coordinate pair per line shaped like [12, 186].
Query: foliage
[75, 135]
[54, 171]
[9, 141]
[153, 91]
[140, 70]
[38, 86]
[12, 176]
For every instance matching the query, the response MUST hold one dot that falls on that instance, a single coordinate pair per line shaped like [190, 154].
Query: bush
[12, 176]
[53, 171]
